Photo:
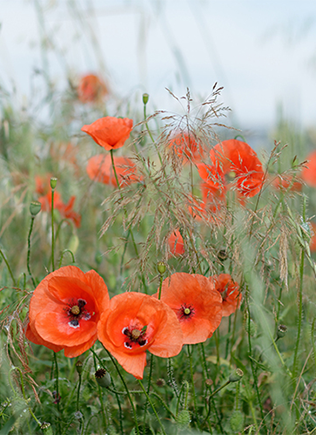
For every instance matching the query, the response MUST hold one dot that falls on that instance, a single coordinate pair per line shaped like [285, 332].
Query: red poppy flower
[197, 304]
[110, 133]
[65, 309]
[42, 183]
[309, 172]
[91, 88]
[65, 210]
[229, 291]
[176, 244]
[312, 243]
[286, 182]
[134, 323]
[99, 168]
[185, 145]
[233, 164]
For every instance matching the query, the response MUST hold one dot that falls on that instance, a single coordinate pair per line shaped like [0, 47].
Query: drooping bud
[103, 378]
[145, 98]
[35, 208]
[79, 367]
[236, 375]
[281, 331]
[53, 183]
[161, 267]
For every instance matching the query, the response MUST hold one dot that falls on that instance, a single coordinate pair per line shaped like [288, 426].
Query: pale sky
[263, 53]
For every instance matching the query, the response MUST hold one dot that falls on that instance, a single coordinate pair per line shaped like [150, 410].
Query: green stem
[78, 392]
[126, 389]
[29, 250]
[57, 391]
[210, 399]
[8, 266]
[160, 286]
[300, 313]
[190, 347]
[152, 406]
[62, 256]
[53, 235]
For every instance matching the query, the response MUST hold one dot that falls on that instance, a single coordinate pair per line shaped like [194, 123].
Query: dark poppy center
[135, 337]
[185, 312]
[77, 311]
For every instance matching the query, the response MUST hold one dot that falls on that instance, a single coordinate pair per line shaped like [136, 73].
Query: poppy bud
[161, 267]
[46, 428]
[145, 98]
[236, 421]
[35, 208]
[79, 367]
[183, 418]
[103, 378]
[236, 375]
[53, 183]
[281, 331]
[222, 255]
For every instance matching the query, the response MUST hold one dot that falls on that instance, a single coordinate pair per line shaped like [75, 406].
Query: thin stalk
[53, 235]
[127, 390]
[148, 388]
[300, 313]
[192, 382]
[130, 230]
[152, 406]
[8, 266]
[211, 398]
[29, 250]
[253, 368]
[57, 392]
[78, 392]
[62, 256]
[160, 286]
[313, 341]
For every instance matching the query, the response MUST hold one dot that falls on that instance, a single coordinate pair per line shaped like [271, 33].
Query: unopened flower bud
[183, 418]
[145, 98]
[236, 375]
[222, 255]
[53, 183]
[79, 367]
[209, 382]
[46, 428]
[35, 208]
[236, 421]
[161, 267]
[103, 378]
[281, 331]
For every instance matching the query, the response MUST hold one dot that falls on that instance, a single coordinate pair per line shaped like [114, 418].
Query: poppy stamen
[186, 312]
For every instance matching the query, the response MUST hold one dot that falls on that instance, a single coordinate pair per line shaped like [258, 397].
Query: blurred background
[262, 53]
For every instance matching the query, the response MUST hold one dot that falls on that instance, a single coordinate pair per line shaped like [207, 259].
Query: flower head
[99, 168]
[185, 145]
[134, 323]
[229, 291]
[109, 132]
[233, 164]
[309, 172]
[66, 210]
[176, 244]
[91, 89]
[65, 309]
[196, 303]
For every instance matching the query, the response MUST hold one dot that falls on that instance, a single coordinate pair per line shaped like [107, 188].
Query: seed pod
[53, 183]
[281, 331]
[236, 375]
[161, 267]
[222, 255]
[35, 208]
[79, 367]
[103, 378]
[145, 98]
[46, 428]
[160, 382]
